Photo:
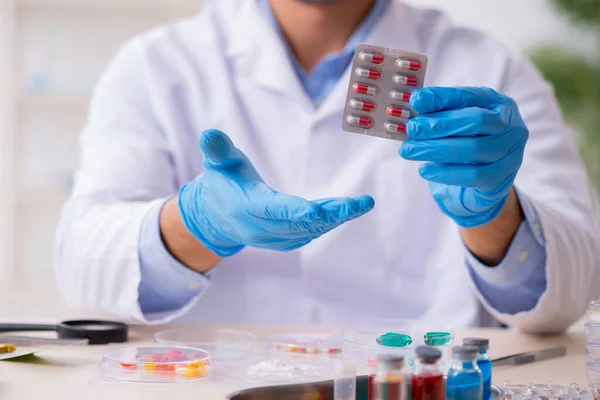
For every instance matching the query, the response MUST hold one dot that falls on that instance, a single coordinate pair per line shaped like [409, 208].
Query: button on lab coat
[225, 68]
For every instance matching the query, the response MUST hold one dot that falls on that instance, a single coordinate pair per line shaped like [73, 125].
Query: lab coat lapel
[394, 30]
[258, 53]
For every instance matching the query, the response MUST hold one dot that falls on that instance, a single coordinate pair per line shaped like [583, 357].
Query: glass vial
[465, 381]
[389, 382]
[344, 384]
[427, 382]
[483, 362]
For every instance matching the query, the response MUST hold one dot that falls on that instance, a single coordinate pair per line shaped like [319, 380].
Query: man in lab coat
[216, 184]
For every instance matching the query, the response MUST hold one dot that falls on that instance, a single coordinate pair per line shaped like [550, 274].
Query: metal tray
[314, 391]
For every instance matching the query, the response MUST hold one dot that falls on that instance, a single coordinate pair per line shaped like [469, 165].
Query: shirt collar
[358, 36]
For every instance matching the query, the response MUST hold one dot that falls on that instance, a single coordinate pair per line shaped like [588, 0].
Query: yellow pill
[192, 372]
[197, 364]
[7, 348]
[150, 366]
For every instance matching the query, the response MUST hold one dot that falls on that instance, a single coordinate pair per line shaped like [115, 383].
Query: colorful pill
[395, 128]
[398, 112]
[368, 73]
[165, 367]
[400, 96]
[373, 58]
[408, 64]
[7, 348]
[362, 105]
[363, 122]
[437, 338]
[405, 80]
[394, 340]
[361, 88]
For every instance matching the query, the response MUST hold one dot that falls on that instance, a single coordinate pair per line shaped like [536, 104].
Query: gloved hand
[473, 139]
[229, 206]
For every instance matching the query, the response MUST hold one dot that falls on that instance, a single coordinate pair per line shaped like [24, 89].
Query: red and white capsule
[393, 127]
[405, 80]
[410, 65]
[361, 88]
[368, 73]
[373, 58]
[362, 105]
[400, 96]
[398, 112]
[363, 122]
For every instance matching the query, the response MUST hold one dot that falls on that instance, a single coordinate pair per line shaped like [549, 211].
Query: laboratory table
[71, 372]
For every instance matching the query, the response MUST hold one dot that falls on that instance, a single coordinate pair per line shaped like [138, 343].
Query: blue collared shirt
[167, 284]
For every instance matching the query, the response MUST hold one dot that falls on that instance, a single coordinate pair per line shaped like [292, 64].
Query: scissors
[95, 331]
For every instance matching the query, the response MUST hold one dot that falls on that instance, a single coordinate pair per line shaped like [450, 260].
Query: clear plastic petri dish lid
[593, 312]
[306, 343]
[592, 332]
[593, 351]
[593, 371]
[156, 364]
[397, 337]
[274, 369]
[222, 344]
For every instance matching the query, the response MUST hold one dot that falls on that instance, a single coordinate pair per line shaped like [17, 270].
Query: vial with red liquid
[389, 382]
[372, 370]
[427, 382]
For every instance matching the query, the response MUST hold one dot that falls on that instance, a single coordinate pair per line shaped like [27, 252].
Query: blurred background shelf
[54, 100]
[49, 197]
[52, 53]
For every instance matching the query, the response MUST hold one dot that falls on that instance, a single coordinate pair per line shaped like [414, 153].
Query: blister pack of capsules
[382, 80]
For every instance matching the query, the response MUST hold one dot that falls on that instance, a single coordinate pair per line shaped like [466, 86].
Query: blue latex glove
[473, 139]
[229, 206]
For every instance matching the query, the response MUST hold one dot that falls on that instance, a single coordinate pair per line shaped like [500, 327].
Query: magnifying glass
[97, 332]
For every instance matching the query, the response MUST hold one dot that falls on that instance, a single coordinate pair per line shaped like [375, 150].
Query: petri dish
[364, 340]
[592, 332]
[593, 371]
[307, 343]
[593, 312]
[280, 369]
[156, 364]
[222, 344]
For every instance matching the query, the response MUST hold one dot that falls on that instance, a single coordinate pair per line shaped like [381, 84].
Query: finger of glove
[433, 99]
[219, 151]
[471, 121]
[336, 211]
[458, 150]
[481, 177]
[273, 205]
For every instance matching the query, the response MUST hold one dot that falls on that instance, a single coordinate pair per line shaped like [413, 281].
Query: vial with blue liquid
[483, 362]
[465, 381]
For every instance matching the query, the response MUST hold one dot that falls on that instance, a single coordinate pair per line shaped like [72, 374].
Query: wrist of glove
[198, 221]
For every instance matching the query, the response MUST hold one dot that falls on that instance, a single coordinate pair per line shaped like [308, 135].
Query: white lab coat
[225, 68]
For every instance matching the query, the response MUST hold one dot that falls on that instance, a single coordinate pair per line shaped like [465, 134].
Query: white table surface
[71, 372]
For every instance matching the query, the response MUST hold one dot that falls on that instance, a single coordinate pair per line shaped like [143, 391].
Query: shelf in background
[54, 100]
[49, 198]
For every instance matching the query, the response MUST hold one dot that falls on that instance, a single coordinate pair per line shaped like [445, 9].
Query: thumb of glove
[219, 151]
